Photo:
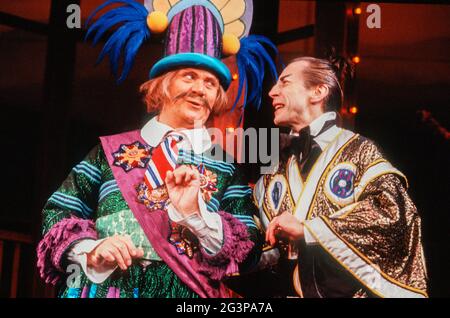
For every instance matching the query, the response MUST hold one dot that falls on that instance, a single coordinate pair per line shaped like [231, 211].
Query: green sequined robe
[91, 192]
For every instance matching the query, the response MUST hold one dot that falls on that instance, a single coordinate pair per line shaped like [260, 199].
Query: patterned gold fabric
[367, 230]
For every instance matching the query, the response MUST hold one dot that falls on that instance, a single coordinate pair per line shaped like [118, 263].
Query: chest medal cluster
[137, 155]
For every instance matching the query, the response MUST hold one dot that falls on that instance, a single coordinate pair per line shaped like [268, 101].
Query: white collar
[316, 125]
[154, 131]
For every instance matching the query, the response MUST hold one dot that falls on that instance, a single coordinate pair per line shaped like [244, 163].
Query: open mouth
[195, 103]
[278, 106]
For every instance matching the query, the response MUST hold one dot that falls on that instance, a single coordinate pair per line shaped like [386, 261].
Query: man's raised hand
[183, 186]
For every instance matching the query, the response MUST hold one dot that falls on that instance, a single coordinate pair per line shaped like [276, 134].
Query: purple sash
[156, 224]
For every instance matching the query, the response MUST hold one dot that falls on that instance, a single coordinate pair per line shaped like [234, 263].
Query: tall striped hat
[198, 33]
[194, 38]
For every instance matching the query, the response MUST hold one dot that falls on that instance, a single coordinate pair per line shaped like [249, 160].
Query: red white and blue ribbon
[164, 158]
[152, 192]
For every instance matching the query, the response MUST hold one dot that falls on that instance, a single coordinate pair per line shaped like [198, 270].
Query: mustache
[200, 99]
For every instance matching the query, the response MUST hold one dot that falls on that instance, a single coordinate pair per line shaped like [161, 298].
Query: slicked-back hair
[322, 72]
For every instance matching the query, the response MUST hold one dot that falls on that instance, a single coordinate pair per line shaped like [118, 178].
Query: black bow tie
[301, 145]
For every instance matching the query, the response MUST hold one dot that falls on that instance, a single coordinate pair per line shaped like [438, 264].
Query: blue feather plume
[252, 59]
[128, 38]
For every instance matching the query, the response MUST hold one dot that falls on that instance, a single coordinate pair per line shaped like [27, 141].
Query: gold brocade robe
[363, 231]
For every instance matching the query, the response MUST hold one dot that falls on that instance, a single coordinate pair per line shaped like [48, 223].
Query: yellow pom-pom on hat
[157, 22]
[230, 44]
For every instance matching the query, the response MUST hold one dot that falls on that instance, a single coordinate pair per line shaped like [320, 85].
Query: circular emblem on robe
[339, 185]
[276, 192]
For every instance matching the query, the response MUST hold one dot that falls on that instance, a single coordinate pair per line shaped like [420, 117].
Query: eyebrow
[193, 71]
[212, 79]
[282, 78]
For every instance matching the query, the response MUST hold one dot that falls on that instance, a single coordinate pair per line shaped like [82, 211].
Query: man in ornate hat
[151, 213]
[337, 216]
